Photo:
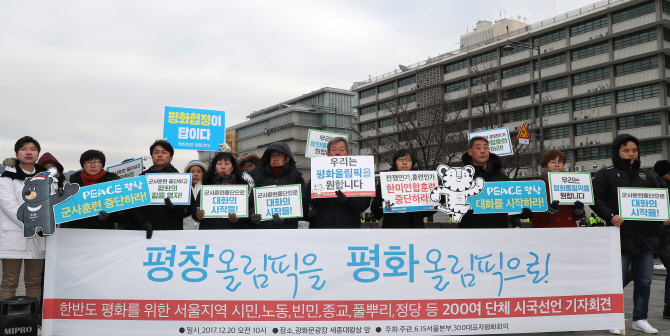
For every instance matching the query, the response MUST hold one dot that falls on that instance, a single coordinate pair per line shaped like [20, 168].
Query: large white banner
[265, 282]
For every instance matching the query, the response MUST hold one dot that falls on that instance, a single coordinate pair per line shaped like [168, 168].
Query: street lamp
[510, 46]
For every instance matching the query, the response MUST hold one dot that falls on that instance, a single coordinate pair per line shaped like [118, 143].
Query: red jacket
[565, 216]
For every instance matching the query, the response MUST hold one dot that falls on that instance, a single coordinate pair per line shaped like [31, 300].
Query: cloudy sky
[79, 75]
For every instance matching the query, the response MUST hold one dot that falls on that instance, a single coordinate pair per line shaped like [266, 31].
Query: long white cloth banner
[266, 282]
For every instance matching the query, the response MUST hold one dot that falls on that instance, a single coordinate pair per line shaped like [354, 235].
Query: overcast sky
[81, 75]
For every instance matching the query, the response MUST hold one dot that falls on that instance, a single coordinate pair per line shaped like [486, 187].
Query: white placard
[128, 169]
[499, 140]
[217, 201]
[649, 204]
[353, 175]
[570, 187]
[317, 142]
[285, 200]
[408, 191]
[175, 186]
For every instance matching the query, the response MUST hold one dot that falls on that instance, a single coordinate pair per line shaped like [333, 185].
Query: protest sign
[353, 175]
[128, 169]
[175, 186]
[265, 282]
[649, 204]
[285, 200]
[457, 186]
[108, 196]
[196, 129]
[499, 140]
[570, 187]
[408, 191]
[317, 142]
[510, 197]
[220, 200]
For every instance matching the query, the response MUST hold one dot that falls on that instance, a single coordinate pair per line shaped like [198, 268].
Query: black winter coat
[94, 222]
[397, 220]
[330, 214]
[219, 223]
[606, 199]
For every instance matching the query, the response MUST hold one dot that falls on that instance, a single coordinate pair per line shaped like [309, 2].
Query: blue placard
[510, 197]
[109, 197]
[195, 129]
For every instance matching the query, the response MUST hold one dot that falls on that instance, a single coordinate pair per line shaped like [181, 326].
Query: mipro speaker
[19, 316]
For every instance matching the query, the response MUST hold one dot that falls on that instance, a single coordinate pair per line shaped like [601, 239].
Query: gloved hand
[149, 229]
[255, 218]
[578, 209]
[200, 214]
[553, 208]
[59, 191]
[102, 215]
[168, 204]
[342, 199]
[525, 214]
[380, 203]
[232, 218]
[179, 211]
[311, 213]
[276, 219]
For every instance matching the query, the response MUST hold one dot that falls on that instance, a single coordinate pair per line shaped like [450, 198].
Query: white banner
[217, 201]
[499, 140]
[570, 187]
[317, 142]
[265, 282]
[353, 175]
[284, 200]
[128, 169]
[408, 191]
[643, 203]
[176, 187]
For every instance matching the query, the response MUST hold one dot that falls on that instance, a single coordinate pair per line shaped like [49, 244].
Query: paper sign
[196, 129]
[109, 196]
[128, 169]
[510, 197]
[317, 142]
[499, 140]
[284, 200]
[219, 200]
[570, 187]
[353, 175]
[408, 191]
[176, 187]
[649, 204]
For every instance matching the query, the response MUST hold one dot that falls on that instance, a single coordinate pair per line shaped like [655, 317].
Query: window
[389, 139]
[667, 62]
[568, 155]
[516, 49]
[368, 126]
[456, 106]
[368, 109]
[481, 100]
[516, 70]
[451, 67]
[517, 116]
[557, 133]
[368, 143]
[638, 93]
[368, 93]
[593, 101]
[595, 153]
[666, 7]
[410, 98]
[590, 76]
[650, 147]
[548, 62]
[636, 38]
[638, 65]
[386, 105]
[594, 127]
[550, 37]
[387, 122]
[553, 84]
[590, 50]
[633, 12]
[585, 27]
[386, 87]
[640, 120]
[517, 92]
[484, 78]
[456, 86]
[407, 81]
[666, 34]
[484, 57]
[556, 108]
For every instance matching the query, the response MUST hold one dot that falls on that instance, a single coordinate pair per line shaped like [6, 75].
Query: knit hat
[48, 158]
[251, 157]
[662, 167]
[195, 163]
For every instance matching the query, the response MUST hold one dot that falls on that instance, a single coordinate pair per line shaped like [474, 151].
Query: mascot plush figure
[40, 196]
[457, 186]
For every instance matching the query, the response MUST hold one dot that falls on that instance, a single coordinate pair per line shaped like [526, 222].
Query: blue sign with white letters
[510, 197]
[195, 129]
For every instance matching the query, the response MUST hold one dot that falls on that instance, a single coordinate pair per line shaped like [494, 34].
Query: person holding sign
[93, 172]
[277, 167]
[639, 239]
[403, 160]
[662, 169]
[556, 215]
[197, 170]
[223, 170]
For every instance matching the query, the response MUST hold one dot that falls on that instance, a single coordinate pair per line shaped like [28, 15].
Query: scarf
[276, 171]
[545, 173]
[88, 180]
[224, 179]
[168, 169]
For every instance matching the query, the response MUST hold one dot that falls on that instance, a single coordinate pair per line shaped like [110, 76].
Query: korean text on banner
[317, 142]
[284, 200]
[435, 281]
[353, 175]
[176, 187]
[108, 196]
[187, 128]
[509, 197]
[499, 140]
[408, 191]
[570, 187]
[220, 200]
[643, 204]
[128, 169]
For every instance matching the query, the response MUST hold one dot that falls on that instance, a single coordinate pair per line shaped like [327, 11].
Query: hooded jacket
[94, 222]
[623, 173]
[263, 177]
[48, 158]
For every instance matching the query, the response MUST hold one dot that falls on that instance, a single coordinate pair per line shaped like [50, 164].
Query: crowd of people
[640, 241]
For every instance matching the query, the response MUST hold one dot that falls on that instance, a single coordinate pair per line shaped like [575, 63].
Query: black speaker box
[19, 316]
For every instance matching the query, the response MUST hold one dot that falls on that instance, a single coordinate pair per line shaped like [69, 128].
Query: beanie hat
[662, 167]
[195, 163]
[48, 158]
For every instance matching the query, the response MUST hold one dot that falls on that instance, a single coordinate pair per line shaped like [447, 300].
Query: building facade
[604, 71]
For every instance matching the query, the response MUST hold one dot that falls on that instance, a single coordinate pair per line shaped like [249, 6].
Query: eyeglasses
[248, 165]
[92, 163]
[557, 162]
[408, 160]
[277, 156]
